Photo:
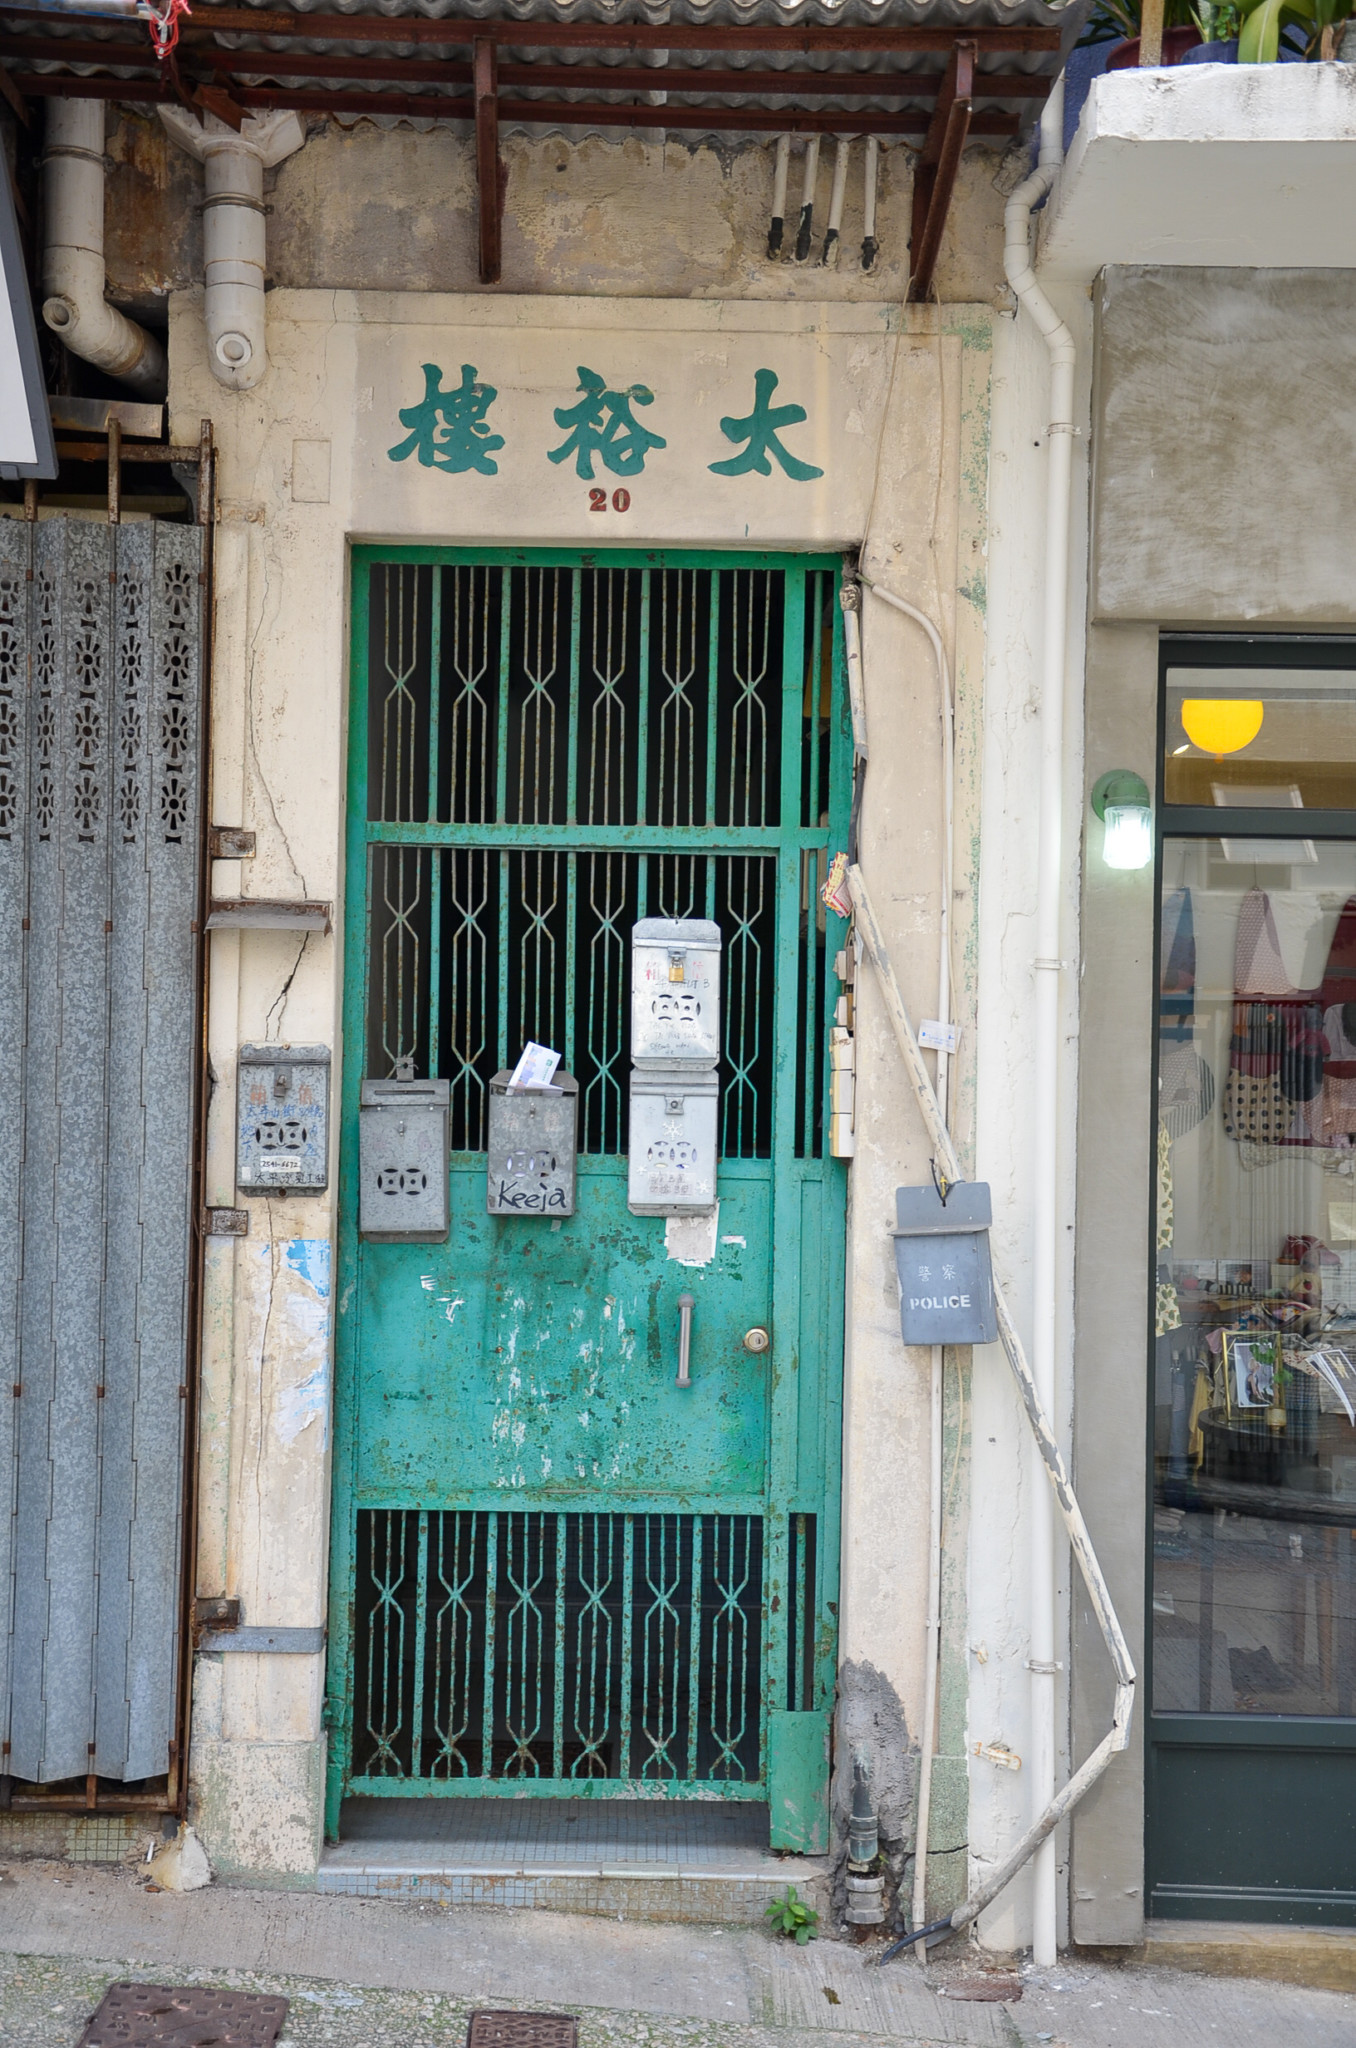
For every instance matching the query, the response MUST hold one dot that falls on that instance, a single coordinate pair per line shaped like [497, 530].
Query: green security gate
[555, 1572]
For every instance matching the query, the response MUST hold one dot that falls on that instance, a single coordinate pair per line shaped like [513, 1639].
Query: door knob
[756, 1339]
[686, 1304]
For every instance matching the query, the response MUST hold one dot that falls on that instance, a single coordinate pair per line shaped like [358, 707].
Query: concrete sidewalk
[367, 1973]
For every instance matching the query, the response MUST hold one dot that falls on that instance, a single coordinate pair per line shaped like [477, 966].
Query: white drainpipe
[234, 240]
[1049, 966]
[73, 280]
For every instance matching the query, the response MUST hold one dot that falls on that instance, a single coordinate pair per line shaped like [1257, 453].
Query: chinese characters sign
[452, 430]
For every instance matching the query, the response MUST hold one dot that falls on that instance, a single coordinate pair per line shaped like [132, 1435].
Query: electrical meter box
[675, 992]
[531, 1147]
[942, 1260]
[282, 1118]
[402, 1161]
[672, 1164]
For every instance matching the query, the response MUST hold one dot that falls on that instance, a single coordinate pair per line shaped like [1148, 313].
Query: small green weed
[792, 1917]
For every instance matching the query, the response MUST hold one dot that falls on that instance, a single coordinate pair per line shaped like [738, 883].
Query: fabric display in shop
[1274, 1093]
[1186, 1086]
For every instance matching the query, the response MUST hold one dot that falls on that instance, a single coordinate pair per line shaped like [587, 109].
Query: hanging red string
[164, 26]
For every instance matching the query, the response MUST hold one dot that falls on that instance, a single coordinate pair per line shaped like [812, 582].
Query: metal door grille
[556, 1649]
[100, 687]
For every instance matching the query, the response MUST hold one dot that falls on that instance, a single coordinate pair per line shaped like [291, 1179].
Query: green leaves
[792, 1917]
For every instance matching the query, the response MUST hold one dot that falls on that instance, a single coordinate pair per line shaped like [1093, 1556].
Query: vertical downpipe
[1045, 1149]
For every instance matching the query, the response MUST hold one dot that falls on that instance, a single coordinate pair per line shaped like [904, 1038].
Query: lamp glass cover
[1129, 841]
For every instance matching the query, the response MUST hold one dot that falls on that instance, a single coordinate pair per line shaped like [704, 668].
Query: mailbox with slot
[942, 1260]
[403, 1162]
[675, 992]
[671, 1168]
[531, 1148]
[675, 1048]
[282, 1118]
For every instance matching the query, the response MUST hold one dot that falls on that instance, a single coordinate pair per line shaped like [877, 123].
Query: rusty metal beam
[14, 99]
[934, 174]
[489, 175]
[231, 66]
[577, 35]
[543, 113]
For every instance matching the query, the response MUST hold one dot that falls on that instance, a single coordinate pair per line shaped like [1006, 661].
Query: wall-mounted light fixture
[1121, 800]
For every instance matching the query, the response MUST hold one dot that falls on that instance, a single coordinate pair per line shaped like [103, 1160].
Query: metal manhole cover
[183, 2016]
[522, 2030]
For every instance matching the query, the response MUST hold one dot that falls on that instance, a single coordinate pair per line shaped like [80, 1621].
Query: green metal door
[555, 1571]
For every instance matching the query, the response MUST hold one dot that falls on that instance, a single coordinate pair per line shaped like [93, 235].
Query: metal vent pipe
[73, 280]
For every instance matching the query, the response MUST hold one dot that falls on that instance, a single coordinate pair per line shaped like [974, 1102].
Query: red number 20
[621, 501]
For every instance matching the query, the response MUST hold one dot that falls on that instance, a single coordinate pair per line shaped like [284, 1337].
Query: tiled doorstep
[737, 1889]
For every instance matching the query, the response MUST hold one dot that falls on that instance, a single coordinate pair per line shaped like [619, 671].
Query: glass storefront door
[1252, 1744]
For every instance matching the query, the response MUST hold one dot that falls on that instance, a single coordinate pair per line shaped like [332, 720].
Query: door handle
[686, 1304]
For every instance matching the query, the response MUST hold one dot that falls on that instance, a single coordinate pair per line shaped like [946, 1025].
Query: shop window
[1254, 1307]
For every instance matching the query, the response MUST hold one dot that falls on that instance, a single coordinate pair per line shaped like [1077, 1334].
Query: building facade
[666, 584]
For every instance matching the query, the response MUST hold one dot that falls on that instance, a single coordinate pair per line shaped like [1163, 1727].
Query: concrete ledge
[1322, 1957]
[638, 1891]
[1207, 164]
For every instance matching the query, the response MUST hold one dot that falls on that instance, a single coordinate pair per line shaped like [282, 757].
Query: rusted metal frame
[576, 35]
[14, 99]
[206, 459]
[134, 451]
[548, 113]
[934, 176]
[231, 67]
[489, 176]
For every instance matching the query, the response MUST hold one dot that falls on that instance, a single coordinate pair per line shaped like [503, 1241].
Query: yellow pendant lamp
[1221, 725]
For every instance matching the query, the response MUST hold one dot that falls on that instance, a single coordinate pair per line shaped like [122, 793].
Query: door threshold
[1323, 1958]
[675, 1860]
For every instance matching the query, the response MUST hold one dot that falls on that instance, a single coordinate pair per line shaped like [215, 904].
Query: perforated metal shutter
[100, 715]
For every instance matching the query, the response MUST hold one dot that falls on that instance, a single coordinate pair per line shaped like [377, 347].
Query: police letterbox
[942, 1259]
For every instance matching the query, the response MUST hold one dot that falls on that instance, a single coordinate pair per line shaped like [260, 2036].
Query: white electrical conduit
[73, 279]
[777, 225]
[1049, 890]
[1118, 1735]
[828, 255]
[933, 1636]
[805, 232]
[869, 203]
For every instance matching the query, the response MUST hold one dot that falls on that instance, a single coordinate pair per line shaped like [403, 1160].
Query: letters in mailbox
[532, 1148]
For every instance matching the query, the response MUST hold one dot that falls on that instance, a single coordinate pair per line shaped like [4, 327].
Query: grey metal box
[675, 992]
[282, 1117]
[530, 1169]
[402, 1161]
[942, 1259]
[671, 1170]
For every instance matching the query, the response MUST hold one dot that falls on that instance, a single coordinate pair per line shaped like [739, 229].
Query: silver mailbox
[672, 1164]
[402, 1161]
[675, 992]
[531, 1148]
[282, 1118]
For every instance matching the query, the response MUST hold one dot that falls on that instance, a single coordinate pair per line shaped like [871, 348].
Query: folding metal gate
[100, 840]
[555, 1573]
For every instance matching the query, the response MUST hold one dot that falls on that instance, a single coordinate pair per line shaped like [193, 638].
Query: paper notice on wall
[939, 1037]
[536, 1067]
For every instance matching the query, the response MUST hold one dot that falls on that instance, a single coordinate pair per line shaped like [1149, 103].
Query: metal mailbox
[675, 992]
[402, 1161]
[942, 1259]
[282, 1118]
[531, 1146]
[671, 1169]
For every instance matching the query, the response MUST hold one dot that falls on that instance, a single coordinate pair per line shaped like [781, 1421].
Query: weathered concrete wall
[363, 208]
[907, 407]
[1224, 396]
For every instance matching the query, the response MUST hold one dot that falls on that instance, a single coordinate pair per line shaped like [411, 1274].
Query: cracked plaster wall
[368, 208]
